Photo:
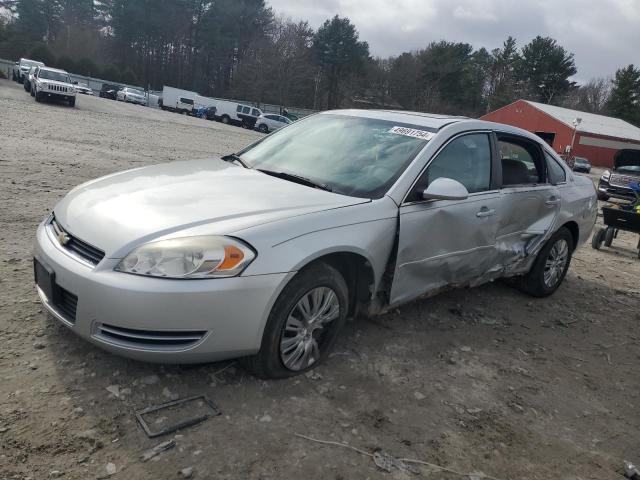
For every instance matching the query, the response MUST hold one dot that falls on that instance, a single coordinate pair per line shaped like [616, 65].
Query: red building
[594, 137]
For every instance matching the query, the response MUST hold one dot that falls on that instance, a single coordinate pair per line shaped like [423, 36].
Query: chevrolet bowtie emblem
[63, 238]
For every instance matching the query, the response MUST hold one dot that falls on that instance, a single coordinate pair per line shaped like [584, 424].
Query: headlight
[189, 257]
[605, 175]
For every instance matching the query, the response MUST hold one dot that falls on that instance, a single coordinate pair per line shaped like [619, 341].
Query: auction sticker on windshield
[412, 132]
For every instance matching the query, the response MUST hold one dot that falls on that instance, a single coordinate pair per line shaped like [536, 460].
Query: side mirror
[445, 189]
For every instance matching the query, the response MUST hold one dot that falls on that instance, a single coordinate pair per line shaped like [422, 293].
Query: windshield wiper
[297, 179]
[234, 157]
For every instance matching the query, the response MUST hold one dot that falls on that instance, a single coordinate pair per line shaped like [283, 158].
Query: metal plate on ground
[204, 407]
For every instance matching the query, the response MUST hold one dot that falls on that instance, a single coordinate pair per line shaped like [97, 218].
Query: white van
[237, 113]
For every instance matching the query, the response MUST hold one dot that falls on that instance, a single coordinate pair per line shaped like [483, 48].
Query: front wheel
[225, 119]
[72, 102]
[303, 325]
[551, 265]
[263, 128]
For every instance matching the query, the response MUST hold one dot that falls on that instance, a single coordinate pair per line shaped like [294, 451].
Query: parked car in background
[131, 95]
[210, 113]
[352, 212]
[270, 122]
[29, 79]
[581, 164]
[53, 84]
[83, 88]
[109, 90]
[615, 181]
[23, 67]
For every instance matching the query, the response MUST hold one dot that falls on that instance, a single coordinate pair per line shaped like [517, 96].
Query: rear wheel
[263, 128]
[551, 265]
[225, 119]
[303, 325]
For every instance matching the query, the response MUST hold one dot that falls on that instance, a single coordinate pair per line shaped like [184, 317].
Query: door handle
[486, 212]
[552, 201]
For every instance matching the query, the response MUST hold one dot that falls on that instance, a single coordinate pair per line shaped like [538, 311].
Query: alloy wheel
[305, 330]
[556, 263]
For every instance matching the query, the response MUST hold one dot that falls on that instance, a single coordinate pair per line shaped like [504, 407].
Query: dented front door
[445, 243]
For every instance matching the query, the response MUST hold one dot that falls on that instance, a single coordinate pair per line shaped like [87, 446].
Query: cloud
[604, 35]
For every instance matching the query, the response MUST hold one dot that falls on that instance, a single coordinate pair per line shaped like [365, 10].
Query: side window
[239, 109]
[555, 171]
[466, 159]
[270, 117]
[521, 162]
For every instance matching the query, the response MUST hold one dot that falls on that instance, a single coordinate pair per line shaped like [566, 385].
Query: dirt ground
[483, 380]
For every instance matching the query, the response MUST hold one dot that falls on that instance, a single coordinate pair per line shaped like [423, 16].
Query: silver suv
[53, 84]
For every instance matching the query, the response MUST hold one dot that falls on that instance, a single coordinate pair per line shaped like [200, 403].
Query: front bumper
[56, 95]
[621, 193]
[224, 318]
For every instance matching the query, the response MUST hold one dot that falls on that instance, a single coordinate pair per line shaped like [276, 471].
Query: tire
[32, 92]
[25, 85]
[608, 236]
[271, 360]
[225, 119]
[544, 279]
[263, 128]
[597, 238]
[72, 102]
[38, 97]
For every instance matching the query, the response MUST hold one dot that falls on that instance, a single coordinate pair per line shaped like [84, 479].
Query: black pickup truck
[614, 182]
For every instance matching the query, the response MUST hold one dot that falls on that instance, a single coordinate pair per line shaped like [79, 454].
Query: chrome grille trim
[76, 247]
[160, 340]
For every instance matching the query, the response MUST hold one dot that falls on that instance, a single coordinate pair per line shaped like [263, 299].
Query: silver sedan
[265, 253]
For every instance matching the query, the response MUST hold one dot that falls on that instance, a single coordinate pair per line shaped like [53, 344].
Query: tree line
[243, 49]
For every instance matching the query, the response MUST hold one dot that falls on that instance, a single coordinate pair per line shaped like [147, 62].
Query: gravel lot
[485, 380]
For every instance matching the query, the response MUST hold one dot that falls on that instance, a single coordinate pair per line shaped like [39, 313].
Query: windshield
[581, 161]
[355, 156]
[629, 168]
[135, 92]
[55, 76]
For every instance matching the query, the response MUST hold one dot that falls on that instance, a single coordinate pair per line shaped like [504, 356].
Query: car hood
[118, 212]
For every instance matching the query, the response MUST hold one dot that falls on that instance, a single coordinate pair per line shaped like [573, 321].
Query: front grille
[166, 340]
[622, 180]
[76, 246]
[58, 88]
[66, 303]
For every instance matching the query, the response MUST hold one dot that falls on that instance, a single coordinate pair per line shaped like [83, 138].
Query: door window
[521, 162]
[556, 173]
[466, 159]
[239, 109]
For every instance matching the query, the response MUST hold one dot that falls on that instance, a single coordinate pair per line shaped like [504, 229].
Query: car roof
[429, 120]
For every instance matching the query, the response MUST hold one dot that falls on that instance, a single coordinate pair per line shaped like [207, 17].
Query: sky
[604, 35]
